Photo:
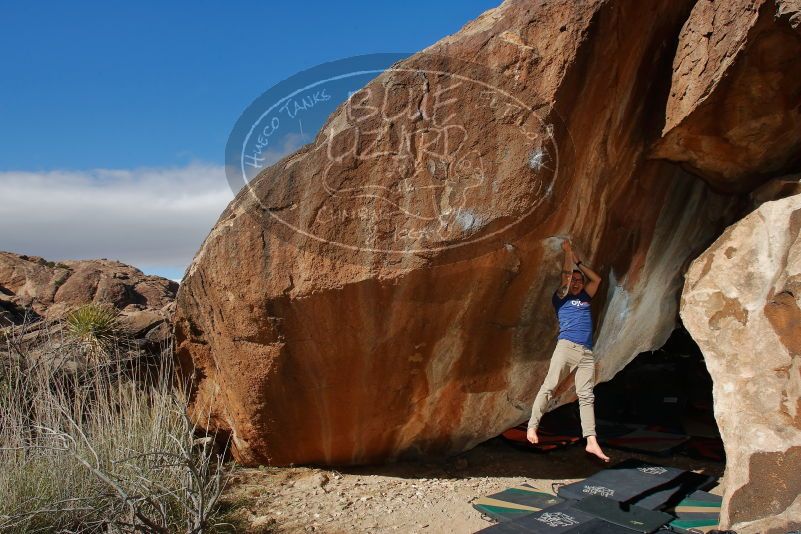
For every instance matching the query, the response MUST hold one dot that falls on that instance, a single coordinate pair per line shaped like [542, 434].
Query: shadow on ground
[498, 458]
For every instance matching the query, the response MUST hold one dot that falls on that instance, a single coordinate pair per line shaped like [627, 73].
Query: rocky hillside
[32, 288]
[385, 291]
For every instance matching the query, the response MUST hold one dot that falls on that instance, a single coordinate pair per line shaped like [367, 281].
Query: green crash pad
[700, 511]
[514, 502]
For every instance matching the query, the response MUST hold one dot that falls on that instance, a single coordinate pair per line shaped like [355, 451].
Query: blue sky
[109, 107]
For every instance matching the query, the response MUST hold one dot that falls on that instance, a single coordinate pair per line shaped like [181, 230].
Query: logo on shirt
[579, 303]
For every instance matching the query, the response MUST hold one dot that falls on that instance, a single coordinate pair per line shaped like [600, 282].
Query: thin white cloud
[153, 218]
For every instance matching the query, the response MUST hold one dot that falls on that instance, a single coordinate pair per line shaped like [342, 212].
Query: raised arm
[594, 279]
[567, 268]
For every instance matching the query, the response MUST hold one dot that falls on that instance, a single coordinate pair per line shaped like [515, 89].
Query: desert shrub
[95, 326]
[99, 452]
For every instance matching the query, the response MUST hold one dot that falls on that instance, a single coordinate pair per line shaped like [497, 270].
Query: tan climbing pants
[566, 357]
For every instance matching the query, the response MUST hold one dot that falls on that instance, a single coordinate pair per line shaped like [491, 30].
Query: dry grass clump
[98, 450]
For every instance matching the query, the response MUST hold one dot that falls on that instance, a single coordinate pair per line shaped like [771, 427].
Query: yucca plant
[96, 327]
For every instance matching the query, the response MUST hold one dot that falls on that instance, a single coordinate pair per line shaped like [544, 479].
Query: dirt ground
[423, 497]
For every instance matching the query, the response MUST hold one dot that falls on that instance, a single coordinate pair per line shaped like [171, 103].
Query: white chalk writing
[293, 106]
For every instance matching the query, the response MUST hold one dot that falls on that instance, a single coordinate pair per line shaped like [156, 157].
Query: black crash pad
[648, 442]
[675, 490]
[598, 526]
[625, 515]
[555, 519]
[622, 482]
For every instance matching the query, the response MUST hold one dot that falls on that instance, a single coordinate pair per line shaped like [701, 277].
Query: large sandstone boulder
[742, 304]
[734, 111]
[386, 289]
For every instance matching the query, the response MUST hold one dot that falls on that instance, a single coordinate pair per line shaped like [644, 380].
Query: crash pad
[675, 490]
[514, 502]
[629, 516]
[700, 511]
[548, 440]
[555, 519]
[648, 442]
[622, 482]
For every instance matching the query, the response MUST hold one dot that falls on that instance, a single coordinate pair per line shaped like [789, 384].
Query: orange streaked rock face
[385, 291]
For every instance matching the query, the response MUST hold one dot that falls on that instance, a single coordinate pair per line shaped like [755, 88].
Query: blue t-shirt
[575, 318]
